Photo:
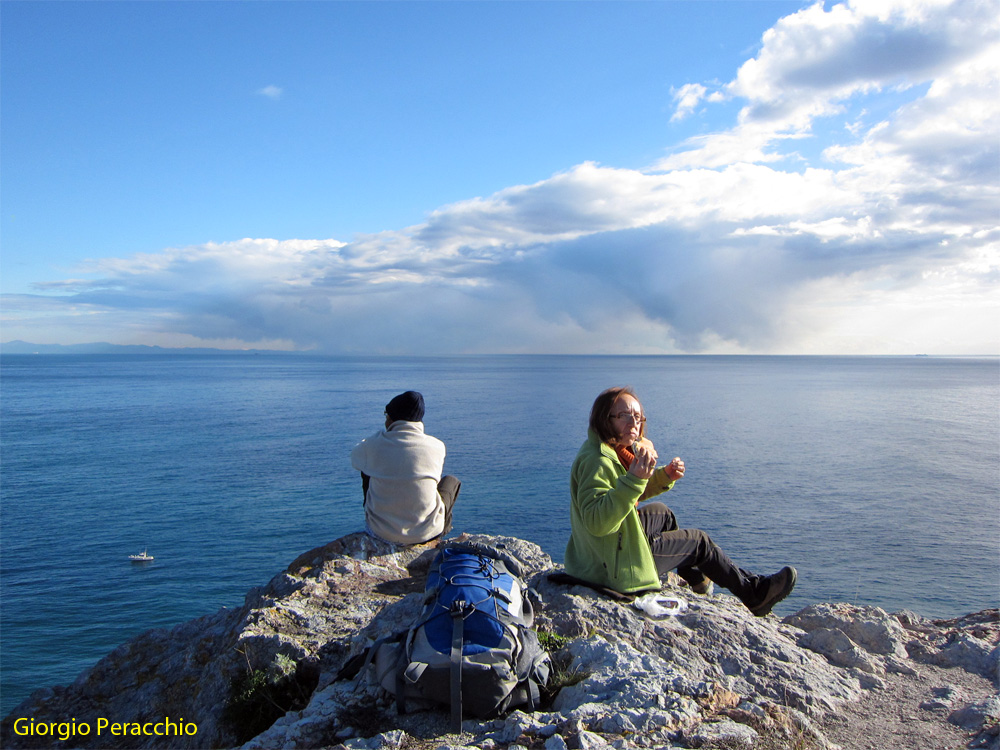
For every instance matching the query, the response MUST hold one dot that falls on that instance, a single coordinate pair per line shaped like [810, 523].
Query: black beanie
[407, 406]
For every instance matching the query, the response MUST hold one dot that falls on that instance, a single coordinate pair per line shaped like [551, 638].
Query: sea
[878, 478]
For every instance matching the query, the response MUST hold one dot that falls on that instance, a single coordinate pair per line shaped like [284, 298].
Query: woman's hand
[645, 461]
[647, 444]
[674, 470]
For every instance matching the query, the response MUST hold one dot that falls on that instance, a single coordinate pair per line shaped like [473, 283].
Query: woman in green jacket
[616, 544]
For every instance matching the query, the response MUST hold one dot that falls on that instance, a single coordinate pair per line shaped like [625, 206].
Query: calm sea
[878, 478]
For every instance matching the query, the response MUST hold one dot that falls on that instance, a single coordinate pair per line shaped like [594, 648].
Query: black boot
[774, 589]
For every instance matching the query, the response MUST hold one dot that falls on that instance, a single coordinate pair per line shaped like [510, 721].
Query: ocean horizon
[877, 477]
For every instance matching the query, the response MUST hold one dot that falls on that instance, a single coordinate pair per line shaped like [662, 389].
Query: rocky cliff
[262, 676]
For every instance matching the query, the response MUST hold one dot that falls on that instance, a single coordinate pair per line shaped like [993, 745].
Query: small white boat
[143, 557]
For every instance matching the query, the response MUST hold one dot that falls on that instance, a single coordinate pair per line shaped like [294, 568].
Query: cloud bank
[885, 240]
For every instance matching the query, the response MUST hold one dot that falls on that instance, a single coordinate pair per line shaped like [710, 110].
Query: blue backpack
[472, 647]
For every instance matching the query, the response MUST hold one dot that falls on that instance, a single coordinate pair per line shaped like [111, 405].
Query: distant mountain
[25, 347]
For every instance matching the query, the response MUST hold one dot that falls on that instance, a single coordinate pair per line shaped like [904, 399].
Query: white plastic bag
[660, 605]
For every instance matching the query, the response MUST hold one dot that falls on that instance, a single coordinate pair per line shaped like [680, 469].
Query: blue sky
[594, 177]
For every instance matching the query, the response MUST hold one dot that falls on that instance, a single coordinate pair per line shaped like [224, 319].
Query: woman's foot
[778, 587]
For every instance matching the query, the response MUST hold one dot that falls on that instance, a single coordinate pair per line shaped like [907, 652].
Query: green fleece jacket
[607, 545]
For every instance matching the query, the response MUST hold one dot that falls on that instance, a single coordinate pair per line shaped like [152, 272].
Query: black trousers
[693, 554]
[448, 489]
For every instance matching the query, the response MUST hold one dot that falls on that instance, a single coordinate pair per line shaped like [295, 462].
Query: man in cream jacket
[406, 499]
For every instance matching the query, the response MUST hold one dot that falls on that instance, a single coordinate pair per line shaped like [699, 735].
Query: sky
[719, 177]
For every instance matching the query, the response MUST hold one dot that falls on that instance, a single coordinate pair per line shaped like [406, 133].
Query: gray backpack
[472, 647]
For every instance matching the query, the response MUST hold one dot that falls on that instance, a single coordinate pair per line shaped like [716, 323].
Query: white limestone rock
[713, 670]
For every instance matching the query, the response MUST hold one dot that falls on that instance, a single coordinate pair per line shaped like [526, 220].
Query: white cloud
[813, 61]
[687, 97]
[887, 242]
[953, 309]
[271, 92]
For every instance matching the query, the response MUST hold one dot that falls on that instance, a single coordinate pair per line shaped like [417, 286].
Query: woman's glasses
[637, 418]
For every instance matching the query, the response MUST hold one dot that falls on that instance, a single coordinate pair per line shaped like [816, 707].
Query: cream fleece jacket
[405, 466]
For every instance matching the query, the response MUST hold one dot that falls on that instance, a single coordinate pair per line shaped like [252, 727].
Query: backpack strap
[534, 695]
[354, 665]
[401, 665]
[360, 661]
[537, 677]
[481, 549]
[457, 634]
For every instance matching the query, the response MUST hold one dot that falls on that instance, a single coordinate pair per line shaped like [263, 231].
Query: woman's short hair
[600, 413]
